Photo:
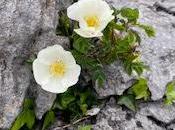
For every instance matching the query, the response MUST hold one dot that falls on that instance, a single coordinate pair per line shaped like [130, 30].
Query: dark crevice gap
[157, 122]
[160, 123]
[159, 8]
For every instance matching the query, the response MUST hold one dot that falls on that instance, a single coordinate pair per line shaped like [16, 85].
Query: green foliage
[128, 101]
[131, 14]
[26, 117]
[140, 89]
[86, 127]
[92, 65]
[75, 101]
[132, 64]
[149, 30]
[48, 119]
[170, 93]
[65, 26]
[81, 44]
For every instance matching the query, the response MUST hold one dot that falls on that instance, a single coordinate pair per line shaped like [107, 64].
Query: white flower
[93, 17]
[55, 69]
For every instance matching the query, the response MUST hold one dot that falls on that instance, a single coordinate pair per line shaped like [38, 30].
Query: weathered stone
[112, 117]
[14, 81]
[25, 28]
[158, 52]
[62, 5]
[117, 81]
[159, 111]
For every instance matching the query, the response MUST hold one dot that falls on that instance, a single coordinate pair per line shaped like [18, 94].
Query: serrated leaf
[138, 38]
[64, 100]
[149, 30]
[81, 44]
[131, 14]
[48, 119]
[99, 76]
[133, 64]
[170, 93]
[87, 127]
[140, 89]
[26, 117]
[64, 27]
[128, 101]
[125, 45]
[117, 26]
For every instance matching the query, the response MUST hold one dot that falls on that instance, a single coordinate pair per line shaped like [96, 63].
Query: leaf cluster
[75, 102]
[139, 90]
[119, 42]
[170, 93]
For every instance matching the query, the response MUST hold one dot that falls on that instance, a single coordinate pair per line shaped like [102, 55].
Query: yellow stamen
[57, 68]
[92, 21]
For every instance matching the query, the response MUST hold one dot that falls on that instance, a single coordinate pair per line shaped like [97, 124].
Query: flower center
[92, 21]
[57, 68]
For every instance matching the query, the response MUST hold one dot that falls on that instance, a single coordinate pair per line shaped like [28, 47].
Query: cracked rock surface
[26, 26]
[112, 117]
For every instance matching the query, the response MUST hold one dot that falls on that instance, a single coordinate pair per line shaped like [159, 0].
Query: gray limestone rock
[117, 81]
[112, 117]
[159, 111]
[26, 27]
[14, 81]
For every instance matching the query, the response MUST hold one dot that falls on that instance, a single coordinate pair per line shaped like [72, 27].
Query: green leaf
[125, 45]
[132, 63]
[87, 127]
[149, 30]
[170, 93]
[99, 76]
[140, 89]
[131, 14]
[117, 26]
[81, 44]
[26, 117]
[64, 27]
[128, 101]
[48, 120]
[138, 38]
[65, 99]
[28, 104]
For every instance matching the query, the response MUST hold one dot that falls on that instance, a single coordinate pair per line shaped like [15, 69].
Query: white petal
[55, 85]
[67, 58]
[87, 7]
[88, 33]
[72, 75]
[50, 54]
[41, 72]
[104, 21]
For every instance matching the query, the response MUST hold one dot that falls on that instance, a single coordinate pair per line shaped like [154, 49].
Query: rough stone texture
[26, 27]
[158, 52]
[158, 111]
[112, 117]
[117, 81]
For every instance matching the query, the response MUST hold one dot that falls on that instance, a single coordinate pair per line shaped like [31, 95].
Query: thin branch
[73, 123]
